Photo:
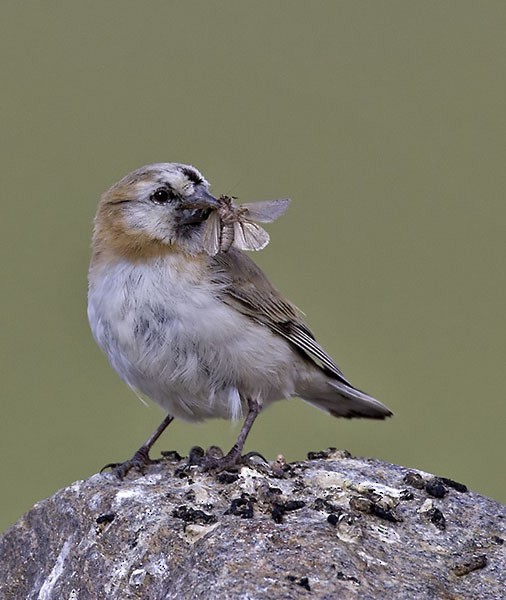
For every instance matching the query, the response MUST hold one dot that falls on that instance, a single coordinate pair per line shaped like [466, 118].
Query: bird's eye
[161, 196]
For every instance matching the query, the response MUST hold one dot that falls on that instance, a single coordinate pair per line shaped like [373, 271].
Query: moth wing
[211, 236]
[266, 211]
[250, 236]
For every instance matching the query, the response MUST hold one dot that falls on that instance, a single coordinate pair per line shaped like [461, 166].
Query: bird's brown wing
[248, 290]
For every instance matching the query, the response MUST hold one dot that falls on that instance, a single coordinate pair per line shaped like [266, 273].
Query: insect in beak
[234, 225]
[196, 208]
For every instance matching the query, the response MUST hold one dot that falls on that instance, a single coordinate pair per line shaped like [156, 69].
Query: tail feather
[341, 400]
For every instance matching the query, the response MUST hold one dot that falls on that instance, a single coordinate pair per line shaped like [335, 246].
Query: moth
[230, 225]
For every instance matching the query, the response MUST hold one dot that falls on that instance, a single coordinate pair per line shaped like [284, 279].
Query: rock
[330, 527]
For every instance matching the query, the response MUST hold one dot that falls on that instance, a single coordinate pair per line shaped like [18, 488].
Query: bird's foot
[214, 461]
[216, 464]
[139, 461]
[211, 459]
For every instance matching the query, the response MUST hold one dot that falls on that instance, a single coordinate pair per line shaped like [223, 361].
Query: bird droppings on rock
[328, 453]
[302, 581]
[435, 487]
[317, 455]
[191, 515]
[406, 495]
[324, 505]
[195, 455]
[225, 477]
[468, 565]
[333, 518]
[414, 480]
[171, 455]
[365, 505]
[459, 487]
[176, 527]
[107, 518]
[437, 518]
[280, 508]
[242, 507]
[385, 513]
[342, 577]
[361, 504]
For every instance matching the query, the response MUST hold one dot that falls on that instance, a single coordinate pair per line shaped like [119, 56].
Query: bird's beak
[202, 199]
[196, 208]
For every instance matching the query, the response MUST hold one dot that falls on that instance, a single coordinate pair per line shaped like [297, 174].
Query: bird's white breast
[169, 335]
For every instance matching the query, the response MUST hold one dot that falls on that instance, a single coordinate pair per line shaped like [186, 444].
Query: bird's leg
[233, 457]
[141, 458]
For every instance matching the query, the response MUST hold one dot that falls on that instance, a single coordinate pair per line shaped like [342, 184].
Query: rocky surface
[329, 527]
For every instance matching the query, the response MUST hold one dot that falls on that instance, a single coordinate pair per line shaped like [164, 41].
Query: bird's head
[157, 207]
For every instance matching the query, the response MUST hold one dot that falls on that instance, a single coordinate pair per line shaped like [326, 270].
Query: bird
[203, 335]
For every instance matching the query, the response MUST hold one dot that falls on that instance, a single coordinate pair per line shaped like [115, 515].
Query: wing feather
[248, 290]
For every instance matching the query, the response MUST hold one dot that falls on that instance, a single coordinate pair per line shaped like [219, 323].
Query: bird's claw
[139, 461]
[214, 460]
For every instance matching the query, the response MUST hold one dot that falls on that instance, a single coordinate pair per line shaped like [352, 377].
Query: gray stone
[330, 527]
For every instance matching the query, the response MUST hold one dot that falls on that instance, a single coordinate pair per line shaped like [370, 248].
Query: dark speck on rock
[325, 506]
[280, 508]
[277, 513]
[340, 575]
[370, 507]
[328, 453]
[437, 518]
[406, 495]
[315, 455]
[333, 518]
[108, 518]
[283, 471]
[436, 488]
[191, 515]
[293, 505]
[302, 581]
[242, 507]
[172, 455]
[225, 477]
[195, 455]
[385, 514]
[459, 487]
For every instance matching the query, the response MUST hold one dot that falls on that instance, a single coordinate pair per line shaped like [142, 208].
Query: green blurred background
[383, 121]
